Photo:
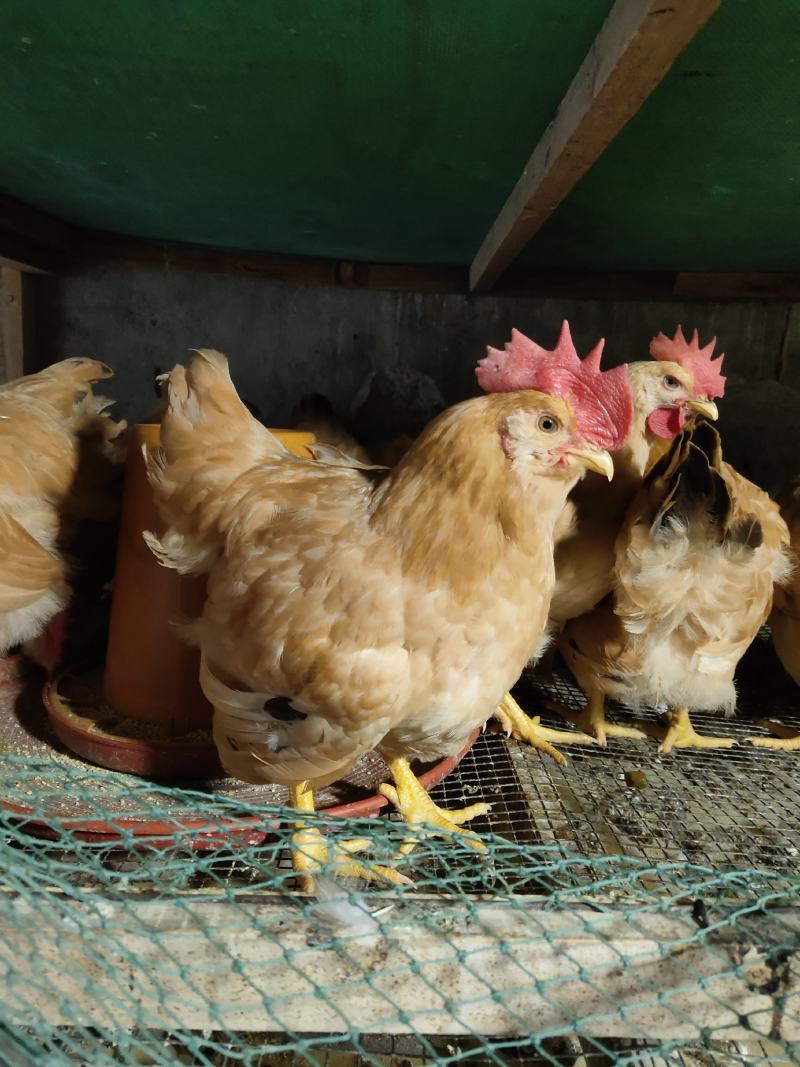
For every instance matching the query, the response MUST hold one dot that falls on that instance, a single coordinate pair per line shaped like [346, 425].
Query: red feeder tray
[160, 831]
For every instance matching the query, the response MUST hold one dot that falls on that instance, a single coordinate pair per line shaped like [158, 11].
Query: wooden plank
[46, 230]
[31, 240]
[436, 968]
[636, 46]
[787, 369]
[16, 323]
[93, 249]
[719, 285]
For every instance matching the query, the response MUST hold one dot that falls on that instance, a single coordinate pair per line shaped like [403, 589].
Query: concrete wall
[388, 361]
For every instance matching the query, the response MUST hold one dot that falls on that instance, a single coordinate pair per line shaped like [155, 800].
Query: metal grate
[730, 808]
[407, 1050]
[725, 808]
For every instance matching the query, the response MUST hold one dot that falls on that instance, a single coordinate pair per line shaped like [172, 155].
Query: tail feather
[692, 489]
[63, 385]
[208, 439]
[688, 486]
[203, 401]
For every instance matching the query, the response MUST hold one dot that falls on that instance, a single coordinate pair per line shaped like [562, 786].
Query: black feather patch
[746, 532]
[661, 466]
[694, 486]
[706, 438]
[280, 708]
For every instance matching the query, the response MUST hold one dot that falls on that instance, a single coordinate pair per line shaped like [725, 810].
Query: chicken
[350, 610]
[315, 414]
[696, 560]
[333, 444]
[683, 379]
[58, 448]
[785, 623]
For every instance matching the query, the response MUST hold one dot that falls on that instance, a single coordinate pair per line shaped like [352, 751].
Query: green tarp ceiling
[393, 130]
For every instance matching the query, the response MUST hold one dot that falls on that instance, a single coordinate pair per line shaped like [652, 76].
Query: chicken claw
[425, 818]
[680, 733]
[310, 850]
[592, 719]
[787, 737]
[528, 728]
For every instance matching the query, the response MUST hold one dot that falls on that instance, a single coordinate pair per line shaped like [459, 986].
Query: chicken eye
[548, 424]
[670, 382]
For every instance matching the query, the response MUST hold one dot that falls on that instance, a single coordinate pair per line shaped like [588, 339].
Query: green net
[190, 944]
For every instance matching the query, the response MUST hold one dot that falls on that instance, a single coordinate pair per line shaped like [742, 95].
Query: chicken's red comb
[706, 371]
[601, 400]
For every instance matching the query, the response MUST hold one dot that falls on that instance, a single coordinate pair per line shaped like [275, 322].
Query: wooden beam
[435, 966]
[93, 248]
[96, 250]
[764, 285]
[16, 324]
[31, 240]
[636, 46]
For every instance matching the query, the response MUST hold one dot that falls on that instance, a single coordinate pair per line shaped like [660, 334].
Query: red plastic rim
[146, 758]
[161, 833]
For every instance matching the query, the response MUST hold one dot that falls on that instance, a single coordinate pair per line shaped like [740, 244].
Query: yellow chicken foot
[310, 850]
[679, 733]
[787, 737]
[528, 728]
[592, 719]
[425, 818]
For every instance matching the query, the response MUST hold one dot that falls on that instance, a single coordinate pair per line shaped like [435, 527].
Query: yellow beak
[596, 459]
[704, 407]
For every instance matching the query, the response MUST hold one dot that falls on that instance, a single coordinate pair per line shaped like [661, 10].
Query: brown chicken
[350, 610]
[315, 414]
[58, 448]
[696, 561]
[683, 379]
[785, 623]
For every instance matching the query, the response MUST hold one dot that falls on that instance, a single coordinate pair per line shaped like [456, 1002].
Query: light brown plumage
[785, 618]
[696, 560]
[784, 622]
[348, 609]
[57, 447]
[586, 533]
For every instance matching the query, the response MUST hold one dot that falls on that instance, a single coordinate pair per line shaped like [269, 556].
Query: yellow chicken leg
[528, 728]
[679, 733]
[787, 737]
[426, 818]
[310, 850]
[592, 719]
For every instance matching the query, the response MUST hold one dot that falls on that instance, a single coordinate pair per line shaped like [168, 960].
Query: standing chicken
[349, 610]
[785, 623]
[685, 378]
[697, 558]
[55, 417]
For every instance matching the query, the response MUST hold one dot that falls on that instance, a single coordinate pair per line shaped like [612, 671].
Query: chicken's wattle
[666, 422]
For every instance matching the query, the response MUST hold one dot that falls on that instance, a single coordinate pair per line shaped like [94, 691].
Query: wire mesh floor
[721, 808]
[407, 1050]
[729, 808]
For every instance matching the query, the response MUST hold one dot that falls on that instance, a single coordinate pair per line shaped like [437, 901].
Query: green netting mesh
[194, 946]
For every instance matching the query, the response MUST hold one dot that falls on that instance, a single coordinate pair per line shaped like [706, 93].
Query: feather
[77, 449]
[696, 560]
[391, 611]
[343, 911]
